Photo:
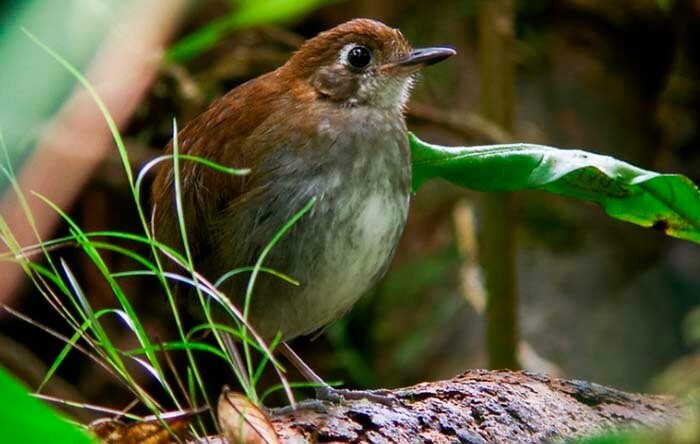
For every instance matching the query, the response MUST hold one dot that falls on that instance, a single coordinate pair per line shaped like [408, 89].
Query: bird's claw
[328, 393]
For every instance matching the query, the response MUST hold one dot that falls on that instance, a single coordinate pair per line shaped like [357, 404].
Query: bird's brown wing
[218, 134]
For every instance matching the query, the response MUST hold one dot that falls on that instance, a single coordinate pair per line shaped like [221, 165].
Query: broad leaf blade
[670, 202]
[26, 419]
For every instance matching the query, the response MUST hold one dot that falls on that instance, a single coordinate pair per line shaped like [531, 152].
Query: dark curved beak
[421, 57]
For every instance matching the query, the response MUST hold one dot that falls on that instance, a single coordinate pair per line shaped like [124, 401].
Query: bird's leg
[325, 392]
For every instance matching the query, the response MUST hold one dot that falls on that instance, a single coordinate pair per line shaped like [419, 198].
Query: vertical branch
[498, 225]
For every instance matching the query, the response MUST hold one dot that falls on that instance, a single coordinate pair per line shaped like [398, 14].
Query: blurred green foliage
[33, 87]
[26, 419]
[245, 13]
[664, 4]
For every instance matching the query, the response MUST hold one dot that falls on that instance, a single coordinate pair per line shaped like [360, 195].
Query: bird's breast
[358, 219]
[360, 178]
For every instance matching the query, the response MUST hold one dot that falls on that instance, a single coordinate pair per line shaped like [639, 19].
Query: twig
[469, 125]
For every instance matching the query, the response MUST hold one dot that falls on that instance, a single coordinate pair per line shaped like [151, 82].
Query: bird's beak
[421, 57]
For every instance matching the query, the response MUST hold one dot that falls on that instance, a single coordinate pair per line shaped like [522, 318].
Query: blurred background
[592, 298]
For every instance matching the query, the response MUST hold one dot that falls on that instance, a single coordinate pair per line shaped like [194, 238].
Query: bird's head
[362, 63]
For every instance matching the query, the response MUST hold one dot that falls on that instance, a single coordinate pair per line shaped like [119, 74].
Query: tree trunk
[498, 224]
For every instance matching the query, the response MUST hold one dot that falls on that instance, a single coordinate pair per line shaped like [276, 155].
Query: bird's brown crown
[382, 40]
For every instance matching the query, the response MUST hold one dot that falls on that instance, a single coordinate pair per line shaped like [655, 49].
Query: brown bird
[329, 124]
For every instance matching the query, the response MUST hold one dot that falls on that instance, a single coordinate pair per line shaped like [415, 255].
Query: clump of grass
[57, 283]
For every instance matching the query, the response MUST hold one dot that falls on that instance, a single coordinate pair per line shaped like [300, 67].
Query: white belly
[359, 254]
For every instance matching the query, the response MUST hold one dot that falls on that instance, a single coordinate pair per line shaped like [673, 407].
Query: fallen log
[481, 407]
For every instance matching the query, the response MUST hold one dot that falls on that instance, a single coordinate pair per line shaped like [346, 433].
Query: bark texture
[481, 407]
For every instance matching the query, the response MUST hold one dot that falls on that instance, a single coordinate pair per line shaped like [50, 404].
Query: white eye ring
[356, 56]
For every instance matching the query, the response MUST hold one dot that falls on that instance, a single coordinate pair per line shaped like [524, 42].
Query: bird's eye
[359, 57]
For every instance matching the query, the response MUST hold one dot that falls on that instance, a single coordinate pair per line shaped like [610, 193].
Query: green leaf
[619, 437]
[26, 419]
[669, 202]
[248, 13]
[664, 5]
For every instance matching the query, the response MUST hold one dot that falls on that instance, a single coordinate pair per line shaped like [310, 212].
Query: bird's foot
[327, 397]
[315, 405]
[330, 394]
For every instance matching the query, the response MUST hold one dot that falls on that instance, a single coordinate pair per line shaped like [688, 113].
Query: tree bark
[481, 407]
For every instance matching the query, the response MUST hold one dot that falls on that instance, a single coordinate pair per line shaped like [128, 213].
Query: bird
[327, 127]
